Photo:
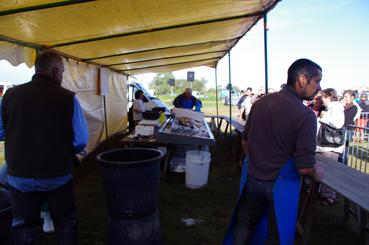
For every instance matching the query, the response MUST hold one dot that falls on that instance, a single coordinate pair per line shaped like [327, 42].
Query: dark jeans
[26, 206]
[255, 199]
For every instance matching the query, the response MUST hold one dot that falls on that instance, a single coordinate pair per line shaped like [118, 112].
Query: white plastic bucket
[197, 168]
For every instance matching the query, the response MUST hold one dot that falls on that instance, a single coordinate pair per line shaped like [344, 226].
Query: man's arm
[315, 172]
[305, 149]
[80, 129]
[177, 102]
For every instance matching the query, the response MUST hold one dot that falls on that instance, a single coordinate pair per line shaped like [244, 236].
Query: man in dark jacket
[187, 101]
[44, 128]
[278, 141]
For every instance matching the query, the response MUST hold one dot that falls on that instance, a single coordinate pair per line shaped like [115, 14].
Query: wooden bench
[218, 121]
[350, 183]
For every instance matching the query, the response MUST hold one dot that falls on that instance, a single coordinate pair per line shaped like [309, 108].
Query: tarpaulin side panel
[16, 54]
[116, 103]
[82, 79]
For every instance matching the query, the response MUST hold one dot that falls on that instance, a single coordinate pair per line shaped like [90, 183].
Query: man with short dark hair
[280, 141]
[44, 128]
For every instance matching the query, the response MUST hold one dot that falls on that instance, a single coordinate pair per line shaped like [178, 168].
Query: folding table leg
[307, 213]
[170, 148]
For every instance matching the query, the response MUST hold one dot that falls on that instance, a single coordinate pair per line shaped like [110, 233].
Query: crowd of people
[353, 104]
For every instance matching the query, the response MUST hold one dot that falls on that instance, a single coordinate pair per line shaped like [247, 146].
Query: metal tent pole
[230, 90]
[105, 118]
[266, 53]
[216, 90]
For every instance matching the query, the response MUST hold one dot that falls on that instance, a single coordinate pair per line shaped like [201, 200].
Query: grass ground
[213, 204]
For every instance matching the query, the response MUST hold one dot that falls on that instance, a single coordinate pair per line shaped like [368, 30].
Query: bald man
[187, 101]
[44, 128]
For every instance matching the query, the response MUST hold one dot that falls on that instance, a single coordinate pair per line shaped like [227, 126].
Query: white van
[149, 100]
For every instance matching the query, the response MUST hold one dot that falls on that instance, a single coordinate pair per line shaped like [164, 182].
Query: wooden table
[352, 184]
[152, 143]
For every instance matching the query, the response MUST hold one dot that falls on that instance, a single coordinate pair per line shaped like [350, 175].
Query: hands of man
[319, 172]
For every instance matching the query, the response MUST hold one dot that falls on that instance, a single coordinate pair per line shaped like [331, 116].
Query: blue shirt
[187, 103]
[80, 140]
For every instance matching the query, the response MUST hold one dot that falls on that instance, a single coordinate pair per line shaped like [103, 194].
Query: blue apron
[286, 200]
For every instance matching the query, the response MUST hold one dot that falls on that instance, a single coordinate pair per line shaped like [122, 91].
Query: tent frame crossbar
[43, 6]
[169, 57]
[162, 48]
[179, 63]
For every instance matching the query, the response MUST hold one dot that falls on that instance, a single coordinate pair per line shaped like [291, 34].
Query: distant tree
[235, 88]
[211, 92]
[160, 83]
[161, 87]
[197, 85]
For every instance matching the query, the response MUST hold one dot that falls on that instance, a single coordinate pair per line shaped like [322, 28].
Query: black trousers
[26, 208]
[254, 200]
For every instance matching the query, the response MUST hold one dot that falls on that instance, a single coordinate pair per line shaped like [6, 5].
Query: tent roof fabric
[132, 36]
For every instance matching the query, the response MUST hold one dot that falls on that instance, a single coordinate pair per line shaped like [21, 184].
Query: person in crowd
[333, 116]
[351, 109]
[364, 105]
[138, 107]
[244, 104]
[278, 143]
[364, 102]
[187, 101]
[44, 128]
[246, 93]
[317, 105]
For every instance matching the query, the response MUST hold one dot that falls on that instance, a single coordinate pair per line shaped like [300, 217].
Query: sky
[333, 33]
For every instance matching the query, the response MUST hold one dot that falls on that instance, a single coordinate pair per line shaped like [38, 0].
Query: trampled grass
[213, 204]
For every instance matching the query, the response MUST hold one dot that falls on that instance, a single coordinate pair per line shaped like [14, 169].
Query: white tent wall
[82, 78]
[116, 103]
[16, 54]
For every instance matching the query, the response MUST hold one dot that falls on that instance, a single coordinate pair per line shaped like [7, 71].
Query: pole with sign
[171, 83]
[190, 77]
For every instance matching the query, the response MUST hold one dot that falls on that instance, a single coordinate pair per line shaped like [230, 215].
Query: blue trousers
[26, 208]
[252, 204]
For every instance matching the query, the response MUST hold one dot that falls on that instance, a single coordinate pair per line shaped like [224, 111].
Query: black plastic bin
[131, 179]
